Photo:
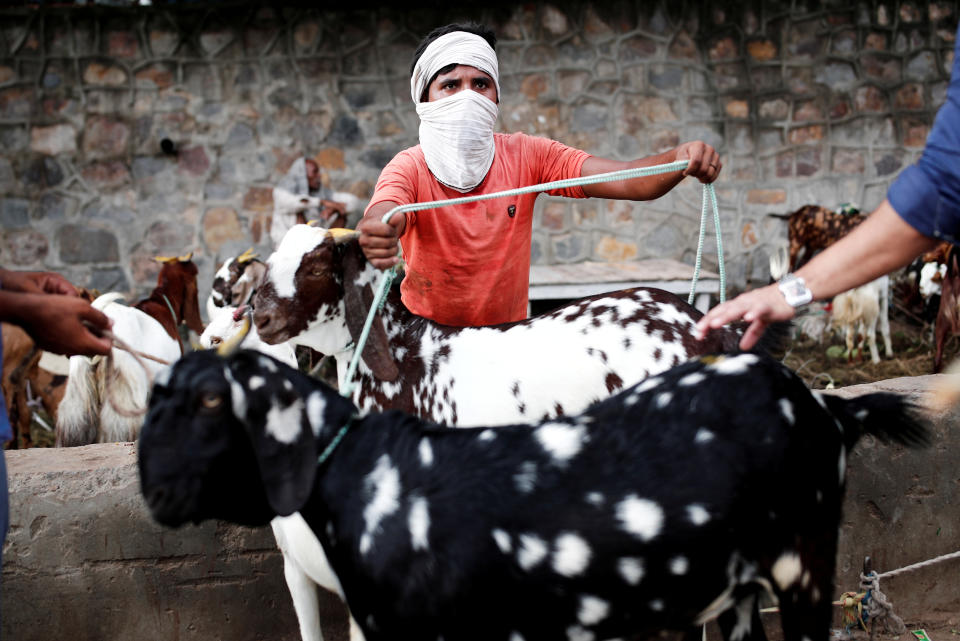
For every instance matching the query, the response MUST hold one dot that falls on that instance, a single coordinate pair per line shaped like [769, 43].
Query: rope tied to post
[709, 201]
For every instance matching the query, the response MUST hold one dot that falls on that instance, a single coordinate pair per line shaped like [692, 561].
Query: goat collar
[325, 454]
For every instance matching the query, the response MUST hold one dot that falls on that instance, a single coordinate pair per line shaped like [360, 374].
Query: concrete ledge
[84, 559]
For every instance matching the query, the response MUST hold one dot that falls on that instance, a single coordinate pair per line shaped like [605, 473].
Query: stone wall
[809, 102]
[84, 560]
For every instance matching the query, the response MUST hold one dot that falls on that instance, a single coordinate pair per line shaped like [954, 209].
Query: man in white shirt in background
[301, 196]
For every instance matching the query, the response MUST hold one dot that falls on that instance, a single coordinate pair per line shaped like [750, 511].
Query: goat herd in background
[614, 476]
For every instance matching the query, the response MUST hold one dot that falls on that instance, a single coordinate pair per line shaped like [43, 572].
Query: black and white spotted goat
[684, 497]
[317, 292]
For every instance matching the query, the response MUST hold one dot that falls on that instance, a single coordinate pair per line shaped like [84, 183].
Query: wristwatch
[795, 290]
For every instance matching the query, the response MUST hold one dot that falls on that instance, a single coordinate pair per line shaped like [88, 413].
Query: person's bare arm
[704, 165]
[381, 241]
[879, 245]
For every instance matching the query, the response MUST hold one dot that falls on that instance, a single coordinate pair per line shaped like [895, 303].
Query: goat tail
[891, 418]
[79, 410]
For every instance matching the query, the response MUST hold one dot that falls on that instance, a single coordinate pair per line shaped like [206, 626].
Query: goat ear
[286, 469]
[244, 288]
[357, 300]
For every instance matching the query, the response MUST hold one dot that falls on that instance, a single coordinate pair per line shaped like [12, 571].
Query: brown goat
[813, 228]
[174, 300]
[25, 382]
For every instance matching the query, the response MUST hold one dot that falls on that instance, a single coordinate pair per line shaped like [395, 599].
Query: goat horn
[246, 256]
[232, 344]
[185, 258]
[311, 223]
[341, 235]
[165, 259]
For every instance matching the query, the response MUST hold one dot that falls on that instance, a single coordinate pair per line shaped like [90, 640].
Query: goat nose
[261, 319]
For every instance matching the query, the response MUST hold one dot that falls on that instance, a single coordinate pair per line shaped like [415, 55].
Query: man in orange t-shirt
[469, 265]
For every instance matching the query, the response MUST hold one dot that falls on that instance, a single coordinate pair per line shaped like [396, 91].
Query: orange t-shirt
[469, 265]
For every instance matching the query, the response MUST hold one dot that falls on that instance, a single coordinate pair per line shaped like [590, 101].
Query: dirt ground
[823, 363]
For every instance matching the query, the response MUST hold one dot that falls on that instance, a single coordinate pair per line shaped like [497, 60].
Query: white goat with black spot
[614, 523]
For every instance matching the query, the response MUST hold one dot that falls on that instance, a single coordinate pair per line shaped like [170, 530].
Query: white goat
[859, 309]
[85, 416]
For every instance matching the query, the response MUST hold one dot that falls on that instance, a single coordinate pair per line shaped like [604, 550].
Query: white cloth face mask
[456, 135]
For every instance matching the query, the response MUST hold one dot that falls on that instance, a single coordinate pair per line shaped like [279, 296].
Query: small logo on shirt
[512, 211]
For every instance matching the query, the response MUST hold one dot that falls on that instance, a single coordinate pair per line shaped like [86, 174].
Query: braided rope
[921, 564]
[709, 196]
[878, 608]
[138, 356]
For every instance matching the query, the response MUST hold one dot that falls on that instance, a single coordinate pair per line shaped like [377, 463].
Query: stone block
[158, 75]
[17, 103]
[53, 140]
[81, 244]
[774, 109]
[25, 247]
[54, 206]
[909, 97]
[554, 21]
[105, 138]
[100, 73]
[169, 238]
[109, 174]
[809, 162]
[220, 226]
[848, 161]
[122, 44]
[724, 48]
[14, 213]
[766, 196]
[108, 279]
[570, 247]
[880, 68]
[762, 50]
[802, 135]
[684, 47]
[43, 172]
[837, 75]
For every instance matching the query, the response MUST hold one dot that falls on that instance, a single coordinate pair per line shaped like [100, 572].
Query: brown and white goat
[317, 292]
[813, 228]
[25, 383]
[235, 283]
[152, 327]
[948, 316]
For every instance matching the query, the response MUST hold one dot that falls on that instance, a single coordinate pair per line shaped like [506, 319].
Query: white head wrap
[456, 132]
[457, 47]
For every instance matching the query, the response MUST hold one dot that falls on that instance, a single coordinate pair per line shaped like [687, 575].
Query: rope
[138, 356]
[878, 607]
[709, 196]
[921, 564]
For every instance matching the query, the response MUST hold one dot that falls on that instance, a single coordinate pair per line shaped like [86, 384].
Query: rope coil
[709, 200]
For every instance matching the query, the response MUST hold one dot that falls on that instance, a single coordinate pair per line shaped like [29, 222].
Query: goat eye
[211, 401]
[317, 272]
[215, 341]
